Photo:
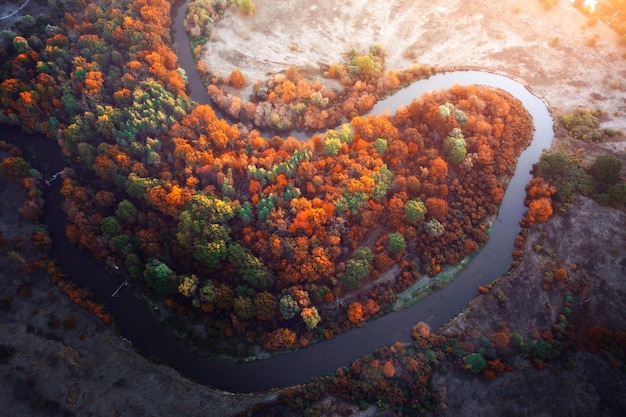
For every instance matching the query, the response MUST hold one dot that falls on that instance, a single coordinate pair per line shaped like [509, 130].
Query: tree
[434, 228]
[414, 210]
[265, 306]
[160, 277]
[355, 312]
[207, 292]
[358, 267]
[454, 146]
[382, 178]
[237, 79]
[188, 285]
[244, 307]
[380, 145]
[14, 167]
[388, 369]
[251, 269]
[311, 317]
[439, 169]
[126, 212]
[396, 242]
[475, 362]
[436, 208]
[110, 226]
[246, 7]
[539, 210]
[288, 307]
[203, 228]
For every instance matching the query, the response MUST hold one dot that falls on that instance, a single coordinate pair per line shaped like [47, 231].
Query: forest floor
[88, 370]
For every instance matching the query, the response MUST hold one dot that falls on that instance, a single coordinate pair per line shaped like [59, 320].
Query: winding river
[139, 325]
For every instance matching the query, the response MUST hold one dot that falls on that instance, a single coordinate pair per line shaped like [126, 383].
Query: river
[139, 325]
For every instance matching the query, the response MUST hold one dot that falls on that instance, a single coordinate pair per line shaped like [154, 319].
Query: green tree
[358, 267]
[396, 242]
[617, 195]
[380, 145]
[265, 306]
[207, 292]
[110, 226]
[160, 277]
[126, 212]
[123, 244]
[382, 179]
[564, 172]
[203, 229]
[475, 362]
[414, 210]
[244, 307]
[332, 144]
[454, 146]
[251, 269]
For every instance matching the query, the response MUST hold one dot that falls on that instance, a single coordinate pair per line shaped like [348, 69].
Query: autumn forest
[258, 238]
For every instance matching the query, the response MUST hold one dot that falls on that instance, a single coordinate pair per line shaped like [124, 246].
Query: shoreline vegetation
[370, 194]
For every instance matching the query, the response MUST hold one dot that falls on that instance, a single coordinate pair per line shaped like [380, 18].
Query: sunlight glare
[590, 5]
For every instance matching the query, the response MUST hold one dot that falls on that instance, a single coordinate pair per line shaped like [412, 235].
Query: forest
[209, 216]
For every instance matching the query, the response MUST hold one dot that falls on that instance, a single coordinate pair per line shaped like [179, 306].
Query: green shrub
[606, 168]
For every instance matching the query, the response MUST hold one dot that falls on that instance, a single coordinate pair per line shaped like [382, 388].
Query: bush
[246, 7]
[606, 168]
[583, 124]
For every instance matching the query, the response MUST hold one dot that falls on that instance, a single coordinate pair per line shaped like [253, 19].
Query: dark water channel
[149, 336]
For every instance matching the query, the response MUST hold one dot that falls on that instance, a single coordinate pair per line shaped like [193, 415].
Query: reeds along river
[139, 325]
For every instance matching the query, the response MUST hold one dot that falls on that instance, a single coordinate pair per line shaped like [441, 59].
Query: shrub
[246, 7]
[606, 168]
[583, 124]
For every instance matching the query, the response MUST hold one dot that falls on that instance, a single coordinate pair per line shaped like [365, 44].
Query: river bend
[153, 340]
